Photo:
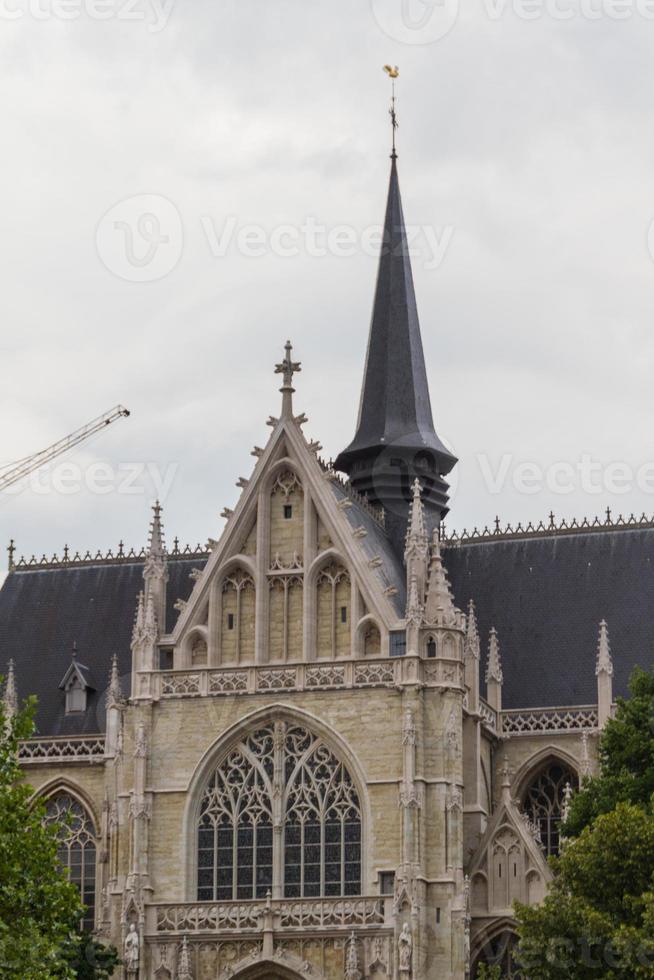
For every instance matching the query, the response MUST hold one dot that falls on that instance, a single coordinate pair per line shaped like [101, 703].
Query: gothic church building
[336, 743]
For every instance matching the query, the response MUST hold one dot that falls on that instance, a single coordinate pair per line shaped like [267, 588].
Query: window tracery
[76, 848]
[501, 951]
[279, 776]
[543, 802]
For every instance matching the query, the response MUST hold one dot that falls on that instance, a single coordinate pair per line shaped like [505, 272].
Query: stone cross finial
[287, 368]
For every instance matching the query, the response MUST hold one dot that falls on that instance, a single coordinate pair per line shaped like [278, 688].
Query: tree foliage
[626, 758]
[598, 919]
[40, 910]
[38, 906]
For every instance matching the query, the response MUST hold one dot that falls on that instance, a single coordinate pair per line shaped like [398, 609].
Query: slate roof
[44, 611]
[395, 407]
[546, 597]
[377, 543]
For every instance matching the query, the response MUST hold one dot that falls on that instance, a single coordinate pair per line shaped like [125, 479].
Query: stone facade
[301, 778]
[288, 629]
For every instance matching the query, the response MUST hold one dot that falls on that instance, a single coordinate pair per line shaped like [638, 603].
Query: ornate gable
[290, 577]
[509, 865]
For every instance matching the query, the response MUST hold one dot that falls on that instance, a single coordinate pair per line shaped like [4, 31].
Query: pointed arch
[65, 785]
[77, 840]
[494, 945]
[539, 760]
[342, 770]
[368, 641]
[542, 795]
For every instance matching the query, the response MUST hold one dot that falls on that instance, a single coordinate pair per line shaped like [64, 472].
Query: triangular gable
[508, 865]
[288, 442]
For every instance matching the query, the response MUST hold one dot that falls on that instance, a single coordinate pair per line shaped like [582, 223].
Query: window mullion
[278, 810]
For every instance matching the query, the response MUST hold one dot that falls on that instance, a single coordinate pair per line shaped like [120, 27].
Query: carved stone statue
[405, 950]
[132, 951]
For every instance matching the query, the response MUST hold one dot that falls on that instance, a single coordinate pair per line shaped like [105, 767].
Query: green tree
[90, 959]
[626, 759]
[38, 906]
[40, 910]
[485, 972]
[597, 921]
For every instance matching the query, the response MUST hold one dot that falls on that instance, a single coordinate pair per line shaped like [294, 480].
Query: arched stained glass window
[500, 951]
[279, 776]
[77, 847]
[543, 802]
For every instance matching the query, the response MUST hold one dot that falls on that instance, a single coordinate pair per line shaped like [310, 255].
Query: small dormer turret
[76, 685]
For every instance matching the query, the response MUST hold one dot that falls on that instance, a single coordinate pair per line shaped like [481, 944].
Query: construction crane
[13, 472]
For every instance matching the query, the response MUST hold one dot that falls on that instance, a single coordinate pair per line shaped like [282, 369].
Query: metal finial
[393, 72]
[11, 550]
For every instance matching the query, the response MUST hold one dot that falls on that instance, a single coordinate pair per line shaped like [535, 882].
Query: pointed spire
[472, 644]
[10, 696]
[150, 628]
[156, 547]
[494, 667]
[604, 674]
[416, 535]
[287, 368]
[439, 608]
[139, 619]
[395, 438]
[604, 659]
[114, 692]
[414, 609]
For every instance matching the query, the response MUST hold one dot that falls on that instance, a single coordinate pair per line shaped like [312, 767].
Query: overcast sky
[147, 156]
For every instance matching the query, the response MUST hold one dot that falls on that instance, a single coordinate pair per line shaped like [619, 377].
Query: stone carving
[405, 951]
[549, 720]
[184, 971]
[324, 677]
[59, 749]
[132, 951]
[180, 685]
[382, 675]
[140, 743]
[352, 971]
[277, 679]
[228, 682]
[304, 914]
